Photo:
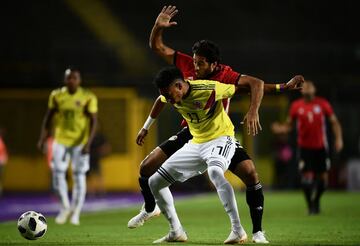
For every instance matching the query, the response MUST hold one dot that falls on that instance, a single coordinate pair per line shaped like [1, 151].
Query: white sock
[60, 186]
[226, 195]
[164, 199]
[78, 193]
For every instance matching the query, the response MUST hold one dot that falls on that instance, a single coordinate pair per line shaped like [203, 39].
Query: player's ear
[213, 65]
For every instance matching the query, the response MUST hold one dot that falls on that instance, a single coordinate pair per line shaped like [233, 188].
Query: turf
[285, 222]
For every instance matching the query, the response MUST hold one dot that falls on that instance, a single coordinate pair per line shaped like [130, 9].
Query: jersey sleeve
[293, 110]
[328, 110]
[183, 61]
[223, 90]
[52, 102]
[230, 76]
[163, 99]
[92, 106]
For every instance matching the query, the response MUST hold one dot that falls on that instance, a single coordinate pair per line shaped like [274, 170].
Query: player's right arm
[46, 124]
[154, 113]
[156, 36]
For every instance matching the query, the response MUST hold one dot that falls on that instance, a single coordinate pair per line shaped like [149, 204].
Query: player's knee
[145, 167]
[247, 173]
[216, 175]
[153, 183]
[150, 164]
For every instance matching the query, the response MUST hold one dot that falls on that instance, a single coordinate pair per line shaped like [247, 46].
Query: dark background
[272, 40]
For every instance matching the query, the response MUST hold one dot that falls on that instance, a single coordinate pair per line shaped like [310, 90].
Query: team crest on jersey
[78, 103]
[317, 109]
[197, 104]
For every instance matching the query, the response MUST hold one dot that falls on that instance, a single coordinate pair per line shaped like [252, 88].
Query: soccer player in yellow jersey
[212, 147]
[74, 111]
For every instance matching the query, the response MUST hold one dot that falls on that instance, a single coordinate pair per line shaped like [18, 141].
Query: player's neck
[72, 91]
[187, 89]
[309, 99]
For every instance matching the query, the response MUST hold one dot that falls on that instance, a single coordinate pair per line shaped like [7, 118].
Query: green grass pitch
[285, 222]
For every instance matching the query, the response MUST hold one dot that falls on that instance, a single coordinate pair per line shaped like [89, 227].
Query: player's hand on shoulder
[164, 18]
[295, 83]
[252, 121]
[140, 139]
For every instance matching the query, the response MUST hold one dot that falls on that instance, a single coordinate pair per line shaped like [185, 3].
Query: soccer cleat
[143, 216]
[259, 237]
[62, 217]
[75, 219]
[173, 236]
[236, 237]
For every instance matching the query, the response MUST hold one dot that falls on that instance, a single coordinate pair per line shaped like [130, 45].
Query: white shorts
[62, 154]
[193, 159]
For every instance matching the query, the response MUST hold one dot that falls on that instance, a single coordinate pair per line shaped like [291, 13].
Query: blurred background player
[74, 128]
[205, 64]
[3, 158]
[310, 113]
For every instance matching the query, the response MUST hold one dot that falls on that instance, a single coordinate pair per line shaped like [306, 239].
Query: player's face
[72, 80]
[202, 68]
[308, 91]
[173, 93]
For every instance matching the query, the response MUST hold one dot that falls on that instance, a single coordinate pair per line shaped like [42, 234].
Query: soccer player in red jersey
[205, 64]
[310, 113]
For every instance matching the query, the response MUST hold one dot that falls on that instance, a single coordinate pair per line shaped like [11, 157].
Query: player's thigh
[152, 162]
[80, 162]
[183, 165]
[219, 151]
[60, 157]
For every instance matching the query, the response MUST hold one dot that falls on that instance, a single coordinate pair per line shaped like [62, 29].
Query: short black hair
[166, 76]
[207, 49]
[73, 69]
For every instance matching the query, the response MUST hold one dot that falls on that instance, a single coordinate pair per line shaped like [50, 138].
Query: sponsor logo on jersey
[197, 104]
[317, 109]
[301, 110]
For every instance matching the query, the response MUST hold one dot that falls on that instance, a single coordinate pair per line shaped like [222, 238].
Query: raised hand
[164, 18]
[295, 83]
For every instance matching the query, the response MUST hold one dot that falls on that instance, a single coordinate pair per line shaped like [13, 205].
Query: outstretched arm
[293, 84]
[156, 41]
[257, 91]
[154, 113]
[337, 131]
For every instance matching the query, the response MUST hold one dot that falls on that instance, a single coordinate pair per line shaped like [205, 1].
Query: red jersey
[310, 122]
[222, 73]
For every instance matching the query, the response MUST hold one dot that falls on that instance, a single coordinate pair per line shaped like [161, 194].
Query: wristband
[148, 123]
[280, 87]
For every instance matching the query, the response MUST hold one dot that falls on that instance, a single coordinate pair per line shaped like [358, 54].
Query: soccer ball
[32, 225]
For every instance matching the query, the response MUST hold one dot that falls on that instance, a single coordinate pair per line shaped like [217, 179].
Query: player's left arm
[293, 84]
[91, 112]
[251, 118]
[337, 131]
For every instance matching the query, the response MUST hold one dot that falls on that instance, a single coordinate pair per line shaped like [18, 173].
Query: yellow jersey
[203, 110]
[71, 122]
